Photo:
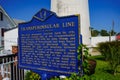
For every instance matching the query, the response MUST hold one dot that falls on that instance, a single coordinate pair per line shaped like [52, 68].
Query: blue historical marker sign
[48, 43]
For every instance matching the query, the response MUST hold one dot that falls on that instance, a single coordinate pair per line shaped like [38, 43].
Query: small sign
[48, 43]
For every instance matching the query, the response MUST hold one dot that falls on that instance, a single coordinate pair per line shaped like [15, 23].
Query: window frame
[1, 16]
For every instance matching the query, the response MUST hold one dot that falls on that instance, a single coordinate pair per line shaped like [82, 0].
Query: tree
[104, 33]
[95, 33]
[112, 32]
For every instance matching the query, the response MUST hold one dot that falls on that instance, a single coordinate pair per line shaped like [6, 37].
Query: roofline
[4, 12]
[11, 29]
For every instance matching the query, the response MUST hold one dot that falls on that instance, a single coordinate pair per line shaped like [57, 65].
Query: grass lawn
[102, 71]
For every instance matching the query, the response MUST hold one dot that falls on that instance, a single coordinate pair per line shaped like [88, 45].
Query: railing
[9, 68]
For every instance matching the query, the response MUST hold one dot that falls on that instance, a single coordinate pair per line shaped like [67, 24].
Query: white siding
[6, 23]
[10, 39]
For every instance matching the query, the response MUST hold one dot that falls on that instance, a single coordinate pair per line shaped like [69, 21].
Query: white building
[73, 7]
[10, 39]
[5, 23]
[99, 39]
[8, 30]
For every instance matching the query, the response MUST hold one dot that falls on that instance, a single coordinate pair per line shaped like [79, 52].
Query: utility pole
[109, 36]
[111, 31]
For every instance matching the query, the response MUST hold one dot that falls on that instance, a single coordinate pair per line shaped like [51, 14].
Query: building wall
[0, 38]
[96, 40]
[5, 23]
[10, 39]
[73, 7]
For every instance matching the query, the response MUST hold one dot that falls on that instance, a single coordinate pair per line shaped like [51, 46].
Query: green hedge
[31, 76]
[111, 52]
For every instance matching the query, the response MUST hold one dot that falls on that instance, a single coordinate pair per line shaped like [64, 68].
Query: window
[2, 32]
[1, 16]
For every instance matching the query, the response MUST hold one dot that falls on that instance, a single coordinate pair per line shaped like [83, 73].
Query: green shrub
[103, 48]
[31, 76]
[73, 76]
[83, 49]
[111, 52]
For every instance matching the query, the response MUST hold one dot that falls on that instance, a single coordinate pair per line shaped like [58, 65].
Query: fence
[9, 68]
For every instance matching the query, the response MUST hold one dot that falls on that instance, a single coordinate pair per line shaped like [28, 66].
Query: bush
[111, 52]
[88, 65]
[31, 76]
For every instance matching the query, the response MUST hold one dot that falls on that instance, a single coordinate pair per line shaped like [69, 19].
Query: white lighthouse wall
[72, 7]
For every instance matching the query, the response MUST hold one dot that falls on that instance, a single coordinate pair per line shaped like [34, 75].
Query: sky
[102, 12]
